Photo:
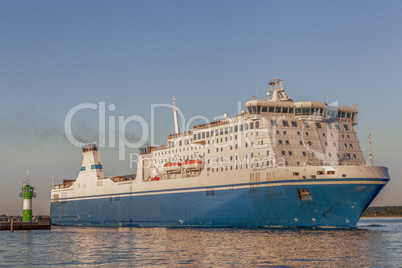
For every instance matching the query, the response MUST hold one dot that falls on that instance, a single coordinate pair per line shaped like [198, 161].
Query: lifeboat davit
[193, 164]
[172, 167]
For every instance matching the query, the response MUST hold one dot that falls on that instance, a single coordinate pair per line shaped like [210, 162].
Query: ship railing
[173, 136]
[123, 178]
[65, 184]
[161, 147]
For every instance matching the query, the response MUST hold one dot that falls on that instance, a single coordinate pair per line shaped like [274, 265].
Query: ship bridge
[276, 99]
[279, 103]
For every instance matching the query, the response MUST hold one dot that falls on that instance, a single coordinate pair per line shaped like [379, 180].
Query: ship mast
[176, 121]
[370, 153]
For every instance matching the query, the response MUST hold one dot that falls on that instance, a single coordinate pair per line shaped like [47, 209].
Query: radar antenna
[276, 90]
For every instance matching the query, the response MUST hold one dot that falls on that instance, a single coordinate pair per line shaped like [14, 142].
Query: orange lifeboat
[172, 167]
[193, 164]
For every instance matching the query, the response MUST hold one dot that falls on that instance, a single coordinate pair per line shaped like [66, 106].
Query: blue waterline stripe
[223, 186]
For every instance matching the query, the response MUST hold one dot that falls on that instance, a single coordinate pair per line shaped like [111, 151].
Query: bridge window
[285, 110]
[264, 109]
[96, 166]
[278, 109]
[271, 109]
[291, 110]
[294, 124]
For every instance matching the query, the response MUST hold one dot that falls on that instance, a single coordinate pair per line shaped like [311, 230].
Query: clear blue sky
[211, 54]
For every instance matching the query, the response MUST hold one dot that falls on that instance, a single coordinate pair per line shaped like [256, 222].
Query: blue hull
[266, 204]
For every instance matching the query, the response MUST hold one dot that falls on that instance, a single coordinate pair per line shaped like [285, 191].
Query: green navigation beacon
[27, 193]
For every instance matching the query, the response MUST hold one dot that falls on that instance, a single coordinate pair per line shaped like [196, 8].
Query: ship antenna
[176, 121]
[370, 153]
[27, 177]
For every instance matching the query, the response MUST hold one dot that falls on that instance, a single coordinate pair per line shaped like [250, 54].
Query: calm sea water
[377, 242]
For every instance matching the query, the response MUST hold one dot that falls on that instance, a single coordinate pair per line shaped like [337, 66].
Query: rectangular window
[318, 125]
[285, 123]
[264, 109]
[203, 135]
[346, 127]
[278, 109]
[294, 124]
[235, 129]
[251, 125]
[257, 124]
[221, 131]
[291, 109]
[246, 126]
[210, 192]
[96, 166]
[271, 109]
[285, 110]
[226, 130]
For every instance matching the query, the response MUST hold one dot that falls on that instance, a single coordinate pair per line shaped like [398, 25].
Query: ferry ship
[278, 163]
